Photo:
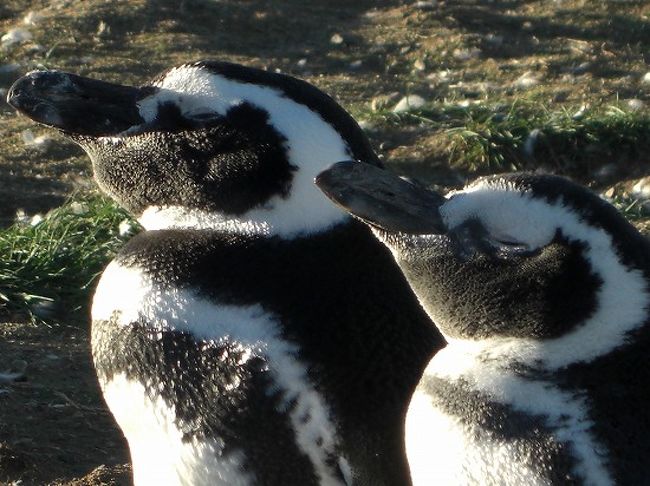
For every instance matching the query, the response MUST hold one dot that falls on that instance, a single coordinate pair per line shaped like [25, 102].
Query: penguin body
[238, 338]
[542, 291]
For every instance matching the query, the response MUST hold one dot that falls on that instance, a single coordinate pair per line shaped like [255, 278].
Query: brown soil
[54, 426]
[53, 422]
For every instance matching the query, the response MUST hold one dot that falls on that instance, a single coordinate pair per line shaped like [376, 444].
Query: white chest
[443, 450]
[160, 452]
[451, 440]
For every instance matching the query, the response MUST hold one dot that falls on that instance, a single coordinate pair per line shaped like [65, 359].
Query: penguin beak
[382, 199]
[76, 105]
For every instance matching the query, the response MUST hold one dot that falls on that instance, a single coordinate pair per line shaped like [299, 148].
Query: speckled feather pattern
[247, 325]
[542, 381]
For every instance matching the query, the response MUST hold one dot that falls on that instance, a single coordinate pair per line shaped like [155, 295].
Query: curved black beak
[382, 199]
[76, 105]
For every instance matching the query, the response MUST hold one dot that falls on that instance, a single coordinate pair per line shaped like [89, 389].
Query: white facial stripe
[469, 452]
[508, 216]
[158, 452]
[623, 298]
[250, 328]
[312, 144]
[565, 413]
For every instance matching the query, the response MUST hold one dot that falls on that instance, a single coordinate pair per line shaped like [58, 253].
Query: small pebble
[580, 113]
[354, 65]
[125, 228]
[387, 146]
[635, 104]
[526, 80]
[382, 101]
[494, 40]
[642, 188]
[409, 103]
[609, 193]
[568, 79]
[371, 14]
[581, 68]
[336, 39]
[103, 30]
[78, 208]
[466, 54]
[21, 216]
[32, 18]
[426, 5]
[419, 65]
[41, 143]
[15, 36]
[646, 78]
[439, 75]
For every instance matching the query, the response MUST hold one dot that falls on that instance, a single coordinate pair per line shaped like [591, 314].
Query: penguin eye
[471, 239]
[510, 243]
[205, 116]
[510, 249]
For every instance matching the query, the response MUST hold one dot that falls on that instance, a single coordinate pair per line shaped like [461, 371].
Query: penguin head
[534, 260]
[204, 145]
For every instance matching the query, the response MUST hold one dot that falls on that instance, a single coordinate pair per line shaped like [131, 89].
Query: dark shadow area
[6, 12]
[30, 194]
[288, 29]
[131, 42]
[23, 187]
[523, 34]
[50, 420]
[284, 31]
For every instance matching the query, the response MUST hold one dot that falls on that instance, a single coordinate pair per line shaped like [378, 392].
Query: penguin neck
[589, 342]
[287, 218]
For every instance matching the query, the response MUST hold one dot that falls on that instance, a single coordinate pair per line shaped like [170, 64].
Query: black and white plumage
[245, 337]
[542, 290]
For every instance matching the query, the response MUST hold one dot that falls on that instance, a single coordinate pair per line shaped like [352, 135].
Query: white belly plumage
[159, 454]
[444, 448]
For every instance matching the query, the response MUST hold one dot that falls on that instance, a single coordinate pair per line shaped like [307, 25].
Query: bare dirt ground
[54, 428]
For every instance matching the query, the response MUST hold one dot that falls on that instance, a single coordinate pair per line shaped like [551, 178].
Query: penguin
[253, 333]
[541, 290]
